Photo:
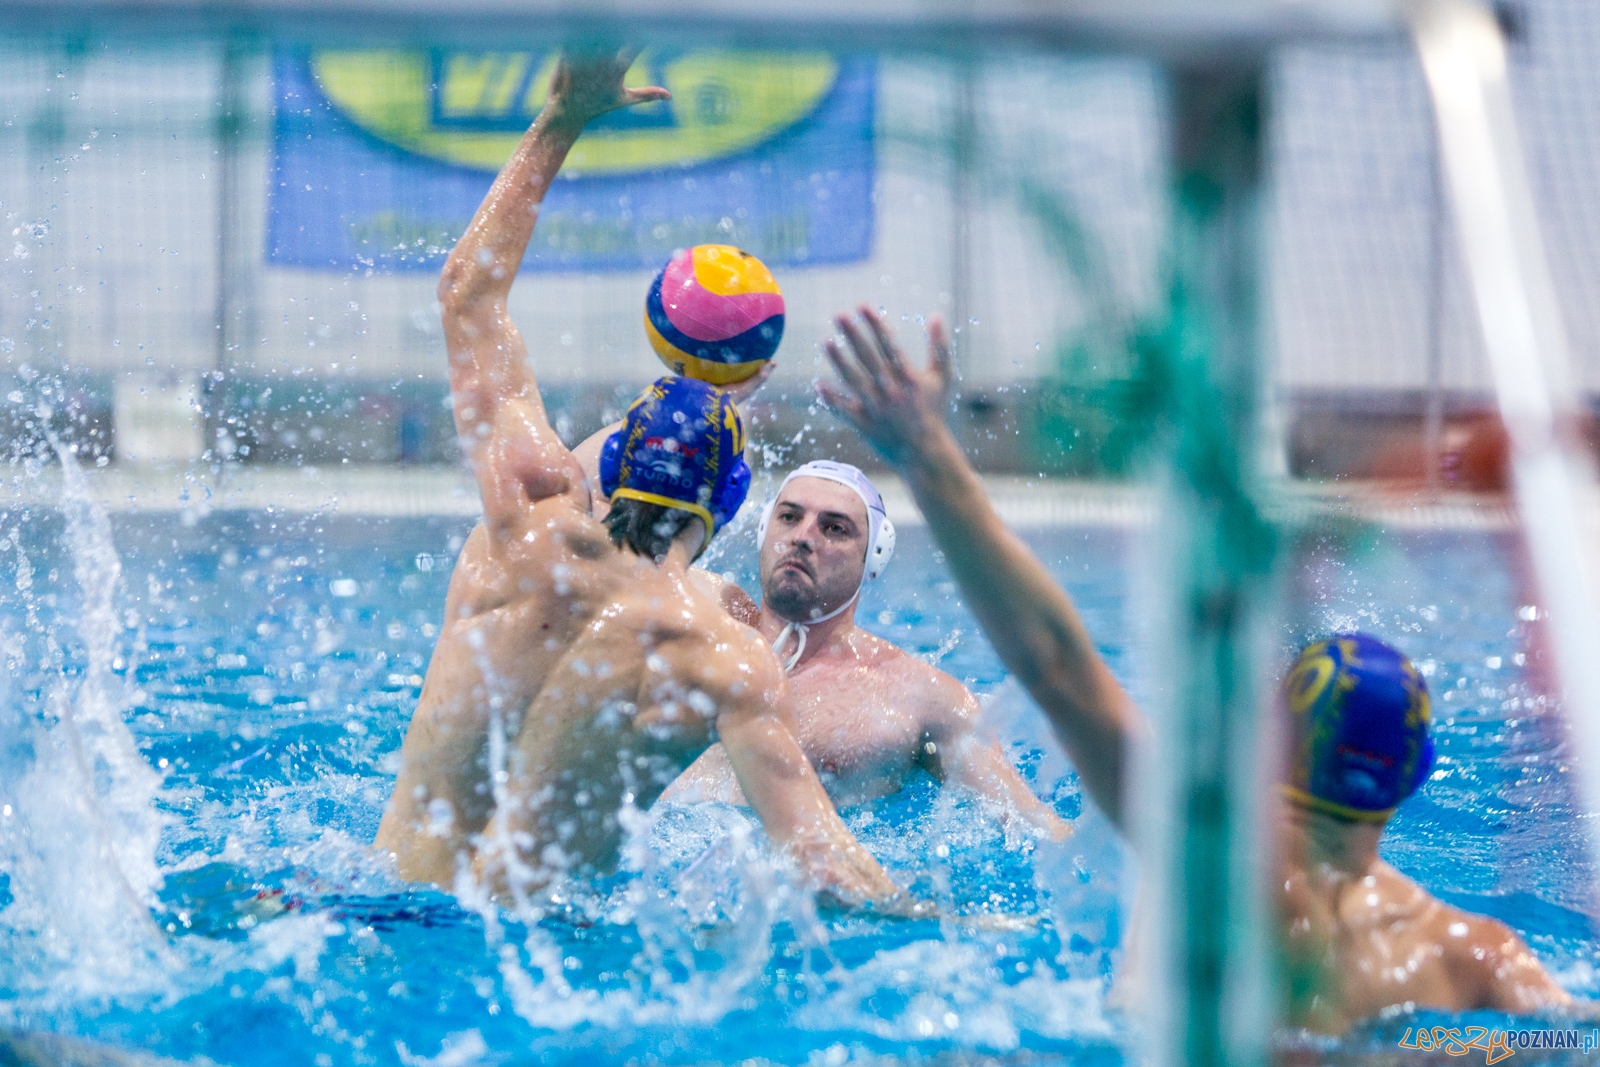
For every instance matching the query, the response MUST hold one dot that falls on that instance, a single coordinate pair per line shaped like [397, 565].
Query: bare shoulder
[944, 704]
[717, 654]
[725, 591]
[1475, 948]
[944, 707]
[558, 525]
[746, 654]
[570, 525]
[1489, 963]
[1402, 896]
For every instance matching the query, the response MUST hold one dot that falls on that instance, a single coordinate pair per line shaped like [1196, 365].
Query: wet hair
[645, 528]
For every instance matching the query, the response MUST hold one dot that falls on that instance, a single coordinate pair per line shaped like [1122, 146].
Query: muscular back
[1355, 944]
[577, 648]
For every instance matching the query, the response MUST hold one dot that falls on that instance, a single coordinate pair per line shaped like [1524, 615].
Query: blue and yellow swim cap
[1359, 717]
[682, 446]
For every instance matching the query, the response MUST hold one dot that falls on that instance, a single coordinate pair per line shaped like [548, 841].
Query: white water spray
[748, 885]
[80, 830]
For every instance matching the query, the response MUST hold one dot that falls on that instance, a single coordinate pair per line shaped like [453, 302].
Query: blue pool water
[207, 890]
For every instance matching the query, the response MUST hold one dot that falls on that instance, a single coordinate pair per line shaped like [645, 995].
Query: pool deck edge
[407, 492]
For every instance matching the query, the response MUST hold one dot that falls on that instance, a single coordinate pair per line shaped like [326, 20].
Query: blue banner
[382, 157]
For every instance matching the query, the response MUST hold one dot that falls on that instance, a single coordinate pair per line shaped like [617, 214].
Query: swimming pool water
[266, 666]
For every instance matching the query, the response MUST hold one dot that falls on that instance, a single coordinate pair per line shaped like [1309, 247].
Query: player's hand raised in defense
[586, 87]
[895, 406]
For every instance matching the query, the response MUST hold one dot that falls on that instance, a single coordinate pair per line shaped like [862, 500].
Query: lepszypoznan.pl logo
[1495, 1044]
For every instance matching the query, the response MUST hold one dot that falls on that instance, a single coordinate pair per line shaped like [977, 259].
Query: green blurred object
[1201, 376]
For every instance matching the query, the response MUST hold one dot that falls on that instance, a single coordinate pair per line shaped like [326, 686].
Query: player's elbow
[462, 286]
[1054, 685]
[1041, 659]
[452, 290]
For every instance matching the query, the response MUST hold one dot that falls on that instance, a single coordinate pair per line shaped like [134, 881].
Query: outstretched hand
[586, 87]
[896, 407]
[742, 391]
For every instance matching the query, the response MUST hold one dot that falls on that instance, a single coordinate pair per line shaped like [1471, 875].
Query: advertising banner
[380, 158]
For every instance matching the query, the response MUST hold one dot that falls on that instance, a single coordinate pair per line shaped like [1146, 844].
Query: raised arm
[1029, 619]
[500, 417]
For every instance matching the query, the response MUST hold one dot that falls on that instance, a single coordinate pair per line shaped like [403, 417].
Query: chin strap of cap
[798, 631]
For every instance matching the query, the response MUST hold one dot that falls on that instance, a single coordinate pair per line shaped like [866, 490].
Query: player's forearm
[484, 262]
[1013, 794]
[984, 768]
[1028, 617]
[797, 815]
[775, 775]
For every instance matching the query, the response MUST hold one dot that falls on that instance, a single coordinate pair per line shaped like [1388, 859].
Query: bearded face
[816, 549]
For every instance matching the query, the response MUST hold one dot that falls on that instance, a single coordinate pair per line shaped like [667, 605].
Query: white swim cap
[880, 531]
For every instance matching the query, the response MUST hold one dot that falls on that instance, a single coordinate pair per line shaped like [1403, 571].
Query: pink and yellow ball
[715, 313]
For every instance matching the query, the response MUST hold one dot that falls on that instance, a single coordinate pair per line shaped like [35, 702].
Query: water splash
[1087, 880]
[80, 829]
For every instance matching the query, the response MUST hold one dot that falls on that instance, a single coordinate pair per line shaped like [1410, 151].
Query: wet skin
[1355, 935]
[1359, 936]
[866, 713]
[608, 672]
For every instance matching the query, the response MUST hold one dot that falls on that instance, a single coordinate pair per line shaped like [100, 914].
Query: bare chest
[854, 725]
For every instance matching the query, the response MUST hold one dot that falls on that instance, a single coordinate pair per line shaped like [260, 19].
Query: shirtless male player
[579, 670]
[1356, 936]
[866, 713]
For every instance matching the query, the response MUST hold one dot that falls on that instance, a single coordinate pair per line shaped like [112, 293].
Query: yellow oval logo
[471, 108]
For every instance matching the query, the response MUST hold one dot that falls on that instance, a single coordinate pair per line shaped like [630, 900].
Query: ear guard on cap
[766, 519]
[611, 464]
[882, 550]
[729, 496]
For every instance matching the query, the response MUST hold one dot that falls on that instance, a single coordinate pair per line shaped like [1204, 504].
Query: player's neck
[1315, 840]
[684, 548]
[680, 555]
[821, 637]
